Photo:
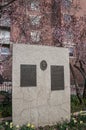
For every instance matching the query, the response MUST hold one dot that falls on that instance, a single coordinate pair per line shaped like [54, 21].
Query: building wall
[35, 22]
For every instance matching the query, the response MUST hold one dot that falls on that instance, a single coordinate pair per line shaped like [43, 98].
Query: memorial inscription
[28, 75]
[57, 77]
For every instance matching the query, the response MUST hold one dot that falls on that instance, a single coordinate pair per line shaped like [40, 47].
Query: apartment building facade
[44, 22]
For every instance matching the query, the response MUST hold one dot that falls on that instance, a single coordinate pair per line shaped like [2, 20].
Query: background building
[45, 22]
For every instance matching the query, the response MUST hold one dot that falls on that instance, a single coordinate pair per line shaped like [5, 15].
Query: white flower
[32, 126]
[17, 126]
[81, 122]
[73, 118]
[6, 123]
[28, 125]
[11, 125]
[75, 121]
[81, 112]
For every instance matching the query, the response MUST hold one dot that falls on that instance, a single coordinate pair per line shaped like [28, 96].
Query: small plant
[6, 104]
[11, 126]
[77, 122]
[75, 105]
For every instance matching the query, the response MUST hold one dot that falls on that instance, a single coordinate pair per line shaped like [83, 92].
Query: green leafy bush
[6, 104]
[11, 126]
[75, 105]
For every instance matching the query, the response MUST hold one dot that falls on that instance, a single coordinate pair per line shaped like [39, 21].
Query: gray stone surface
[39, 105]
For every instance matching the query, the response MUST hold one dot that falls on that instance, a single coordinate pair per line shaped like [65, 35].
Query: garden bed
[77, 122]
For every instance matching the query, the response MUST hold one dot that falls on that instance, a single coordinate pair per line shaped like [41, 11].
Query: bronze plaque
[57, 77]
[28, 75]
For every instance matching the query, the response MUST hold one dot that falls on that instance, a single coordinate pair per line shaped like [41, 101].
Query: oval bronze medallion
[43, 65]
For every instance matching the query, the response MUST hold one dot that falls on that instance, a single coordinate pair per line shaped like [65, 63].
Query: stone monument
[41, 85]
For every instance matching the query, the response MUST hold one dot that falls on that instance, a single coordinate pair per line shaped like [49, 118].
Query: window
[71, 47]
[67, 18]
[4, 2]
[5, 49]
[70, 0]
[35, 5]
[69, 34]
[5, 21]
[4, 36]
[71, 51]
[35, 36]
[35, 20]
[66, 3]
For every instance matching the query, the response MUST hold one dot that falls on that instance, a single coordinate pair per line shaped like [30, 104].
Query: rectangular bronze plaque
[57, 77]
[27, 75]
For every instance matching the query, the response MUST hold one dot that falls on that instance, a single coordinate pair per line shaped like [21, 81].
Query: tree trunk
[84, 91]
[83, 73]
[76, 85]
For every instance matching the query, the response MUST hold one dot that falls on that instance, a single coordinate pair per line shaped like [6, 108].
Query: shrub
[75, 105]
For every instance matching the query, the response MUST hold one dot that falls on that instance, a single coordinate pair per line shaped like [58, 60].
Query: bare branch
[5, 5]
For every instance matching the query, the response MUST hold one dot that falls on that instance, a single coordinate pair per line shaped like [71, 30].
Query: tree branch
[76, 84]
[5, 5]
[81, 70]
